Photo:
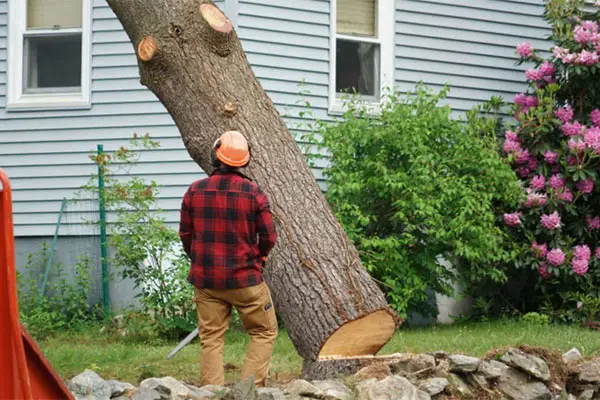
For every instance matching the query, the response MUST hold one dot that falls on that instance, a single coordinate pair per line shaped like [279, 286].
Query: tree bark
[190, 57]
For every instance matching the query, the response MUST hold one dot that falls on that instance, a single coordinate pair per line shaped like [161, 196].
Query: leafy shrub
[534, 318]
[146, 250]
[63, 306]
[412, 185]
[555, 149]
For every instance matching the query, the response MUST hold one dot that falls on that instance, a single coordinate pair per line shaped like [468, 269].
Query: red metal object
[24, 371]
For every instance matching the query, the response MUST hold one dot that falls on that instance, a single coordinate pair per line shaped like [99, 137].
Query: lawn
[114, 357]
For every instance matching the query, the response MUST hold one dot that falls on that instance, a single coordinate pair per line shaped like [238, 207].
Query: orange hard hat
[232, 149]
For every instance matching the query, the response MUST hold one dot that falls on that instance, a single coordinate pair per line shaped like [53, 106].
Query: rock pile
[519, 374]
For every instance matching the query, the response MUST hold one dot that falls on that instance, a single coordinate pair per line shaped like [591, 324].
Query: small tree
[555, 149]
[412, 185]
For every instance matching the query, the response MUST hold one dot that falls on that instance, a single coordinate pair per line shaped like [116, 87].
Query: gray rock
[333, 390]
[434, 386]
[410, 364]
[145, 393]
[589, 372]
[89, 386]
[477, 381]
[462, 364]
[440, 355]
[170, 388]
[244, 390]
[301, 387]
[460, 385]
[586, 395]
[270, 394]
[517, 385]
[491, 369]
[527, 363]
[572, 355]
[391, 388]
[118, 388]
[215, 390]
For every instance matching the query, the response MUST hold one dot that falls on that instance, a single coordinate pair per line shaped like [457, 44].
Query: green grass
[116, 358]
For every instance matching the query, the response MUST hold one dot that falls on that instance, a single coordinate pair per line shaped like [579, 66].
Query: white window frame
[386, 11]
[17, 99]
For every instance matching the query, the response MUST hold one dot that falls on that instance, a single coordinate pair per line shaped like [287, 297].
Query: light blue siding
[467, 43]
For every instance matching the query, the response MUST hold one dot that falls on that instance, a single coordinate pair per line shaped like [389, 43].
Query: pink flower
[565, 195]
[523, 172]
[524, 49]
[597, 252]
[531, 101]
[543, 271]
[582, 35]
[538, 182]
[520, 99]
[560, 52]
[588, 58]
[565, 114]
[551, 221]
[551, 157]
[570, 58]
[535, 199]
[572, 161]
[572, 129]
[510, 135]
[555, 257]
[585, 186]
[579, 305]
[539, 250]
[533, 75]
[556, 182]
[593, 223]
[523, 157]
[580, 267]
[513, 219]
[592, 139]
[595, 117]
[532, 163]
[591, 26]
[511, 146]
[547, 69]
[583, 252]
[576, 145]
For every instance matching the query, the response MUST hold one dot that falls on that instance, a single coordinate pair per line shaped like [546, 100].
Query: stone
[215, 389]
[530, 364]
[491, 369]
[90, 386]
[439, 355]
[458, 384]
[333, 390]
[589, 372]
[244, 390]
[586, 395]
[300, 387]
[517, 385]
[119, 388]
[463, 364]
[270, 394]
[170, 388]
[144, 393]
[434, 386]
[376, 371]
[391, 388]
[477, 381]
[572, 355]
[412, 364]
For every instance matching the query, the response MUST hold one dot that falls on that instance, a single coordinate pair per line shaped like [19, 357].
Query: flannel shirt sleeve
[265, 228]
[186, 227]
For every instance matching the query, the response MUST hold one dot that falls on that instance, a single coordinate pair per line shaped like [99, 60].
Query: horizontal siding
[468, 44]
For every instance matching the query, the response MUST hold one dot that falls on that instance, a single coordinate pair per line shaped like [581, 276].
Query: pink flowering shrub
[554, 148]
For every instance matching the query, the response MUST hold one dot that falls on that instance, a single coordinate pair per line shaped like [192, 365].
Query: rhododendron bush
[554, 147]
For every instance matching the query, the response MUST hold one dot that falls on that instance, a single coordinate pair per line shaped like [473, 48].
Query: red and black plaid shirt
[226, 228]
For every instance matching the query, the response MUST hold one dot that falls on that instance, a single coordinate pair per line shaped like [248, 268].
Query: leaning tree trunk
[190, 57]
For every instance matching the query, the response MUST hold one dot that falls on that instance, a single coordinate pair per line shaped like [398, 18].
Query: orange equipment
[24, 371]
[232, 149]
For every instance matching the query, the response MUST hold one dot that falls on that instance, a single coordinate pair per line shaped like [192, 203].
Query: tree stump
[190, 57]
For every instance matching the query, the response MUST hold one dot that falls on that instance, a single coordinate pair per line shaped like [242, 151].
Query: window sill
[49, 102]
[339, 108]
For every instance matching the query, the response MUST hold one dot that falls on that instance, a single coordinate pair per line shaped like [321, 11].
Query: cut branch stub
[215, 18]
[147, 49]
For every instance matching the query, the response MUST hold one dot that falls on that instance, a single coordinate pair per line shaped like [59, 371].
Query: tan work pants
[255, 306]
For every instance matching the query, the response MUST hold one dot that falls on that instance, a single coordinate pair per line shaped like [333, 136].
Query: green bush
[413, 184]
[64, 305]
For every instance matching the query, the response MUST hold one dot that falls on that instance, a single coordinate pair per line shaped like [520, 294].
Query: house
[69, 81]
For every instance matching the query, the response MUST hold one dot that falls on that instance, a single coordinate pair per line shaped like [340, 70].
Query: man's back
[226, 229]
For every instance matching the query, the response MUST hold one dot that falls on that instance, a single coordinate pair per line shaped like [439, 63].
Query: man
[227, 231]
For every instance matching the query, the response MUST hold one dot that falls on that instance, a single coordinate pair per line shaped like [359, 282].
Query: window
[362, 50]
[49, 54]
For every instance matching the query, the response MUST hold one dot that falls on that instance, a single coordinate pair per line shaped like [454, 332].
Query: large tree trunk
[190, 57]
